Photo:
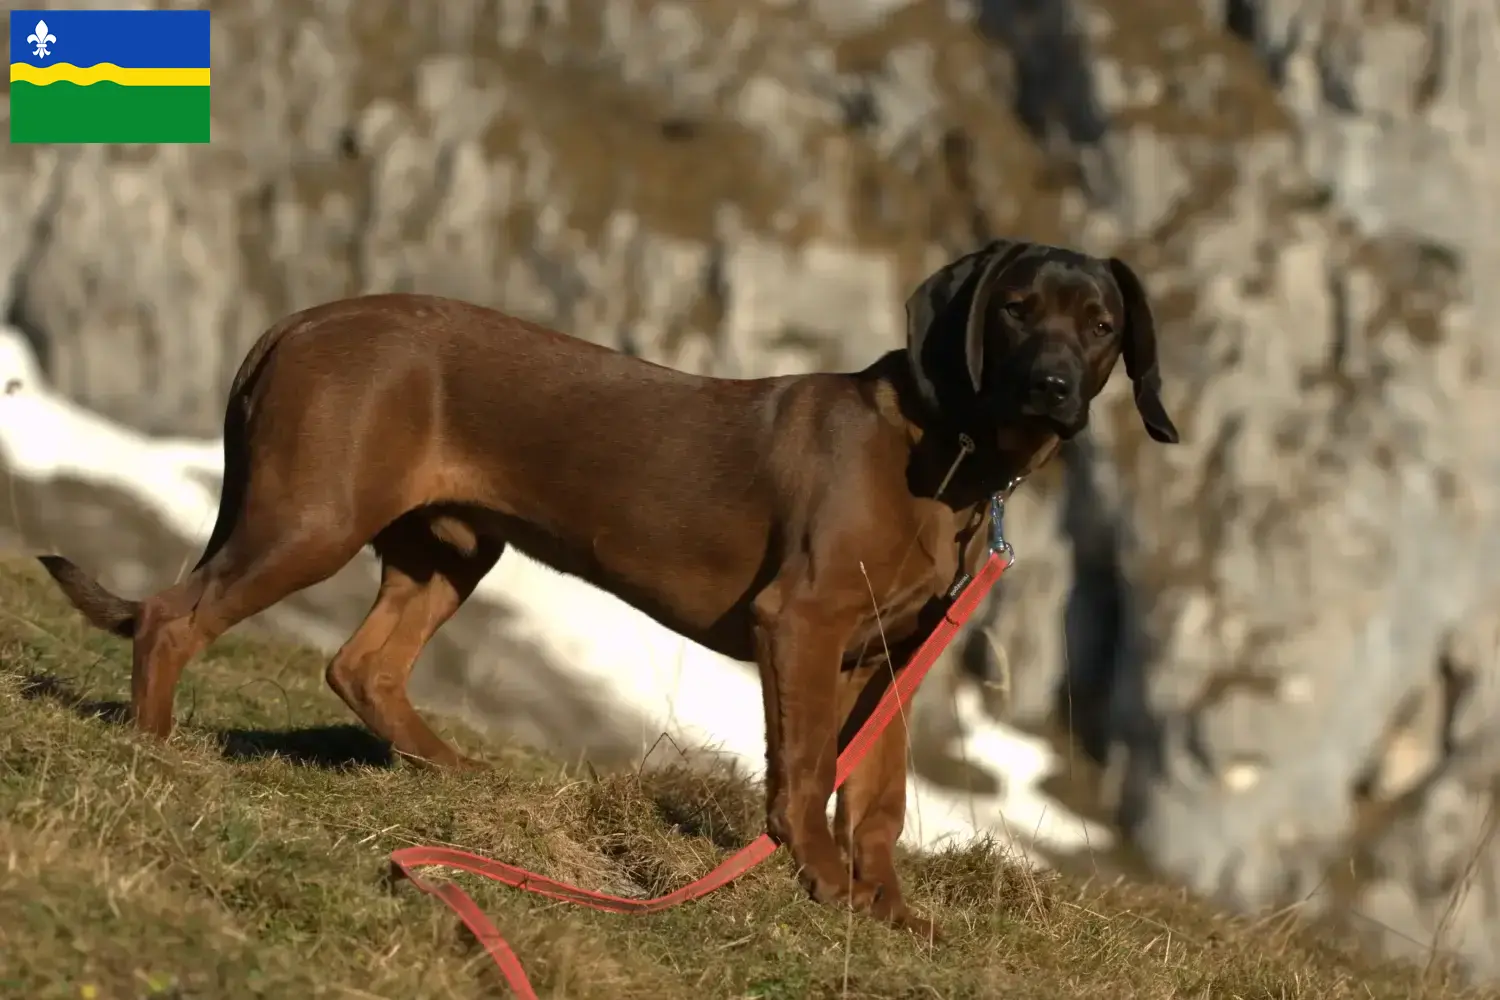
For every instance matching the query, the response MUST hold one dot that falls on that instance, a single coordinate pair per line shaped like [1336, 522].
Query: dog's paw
[844, 892]
[449, 760]
[891, 909]
[468, 765]
[920, 926]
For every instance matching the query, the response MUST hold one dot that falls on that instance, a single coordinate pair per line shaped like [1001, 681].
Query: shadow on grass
[335, 748]
[719, 807]
[45, 687]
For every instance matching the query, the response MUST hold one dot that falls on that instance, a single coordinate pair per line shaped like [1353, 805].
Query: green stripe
[107, 112]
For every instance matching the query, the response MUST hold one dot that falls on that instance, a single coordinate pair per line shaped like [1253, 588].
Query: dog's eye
[1016, 309]
[1104, 328]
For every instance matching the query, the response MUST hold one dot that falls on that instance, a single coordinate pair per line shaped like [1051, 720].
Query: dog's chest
[913, 589]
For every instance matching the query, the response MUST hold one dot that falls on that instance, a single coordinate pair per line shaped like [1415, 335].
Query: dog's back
[403, 402]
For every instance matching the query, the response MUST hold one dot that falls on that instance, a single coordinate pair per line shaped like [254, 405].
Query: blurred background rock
[1269, 654]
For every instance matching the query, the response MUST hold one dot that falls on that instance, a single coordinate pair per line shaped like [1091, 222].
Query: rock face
[1277, 640]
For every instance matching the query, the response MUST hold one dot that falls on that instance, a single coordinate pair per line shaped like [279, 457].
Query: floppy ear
[1140, 353]
[984, 285]
[953, 298]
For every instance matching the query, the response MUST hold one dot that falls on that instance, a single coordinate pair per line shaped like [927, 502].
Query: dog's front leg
[872, 802]
[798, 651]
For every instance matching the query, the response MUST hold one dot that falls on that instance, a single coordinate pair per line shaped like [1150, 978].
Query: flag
[109, 75]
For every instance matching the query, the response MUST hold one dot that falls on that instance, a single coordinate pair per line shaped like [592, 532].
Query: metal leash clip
[998, 544]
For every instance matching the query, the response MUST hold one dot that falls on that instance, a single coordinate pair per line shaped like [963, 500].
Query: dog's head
[1024, 333]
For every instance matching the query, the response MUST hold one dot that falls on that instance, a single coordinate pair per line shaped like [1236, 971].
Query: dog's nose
[1052, 389]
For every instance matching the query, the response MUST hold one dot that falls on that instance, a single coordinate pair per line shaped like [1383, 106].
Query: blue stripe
[136, 39]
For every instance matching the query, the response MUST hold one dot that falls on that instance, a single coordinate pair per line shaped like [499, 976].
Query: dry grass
[246, 859]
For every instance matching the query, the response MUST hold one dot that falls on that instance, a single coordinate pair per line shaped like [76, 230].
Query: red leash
[895, 700]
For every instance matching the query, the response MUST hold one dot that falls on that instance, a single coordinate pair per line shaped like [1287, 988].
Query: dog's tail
[236, 479]
[115, 614]
[102, 609]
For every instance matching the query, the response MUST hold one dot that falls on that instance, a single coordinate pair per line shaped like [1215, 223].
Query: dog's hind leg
[251, 572]
[429, 567]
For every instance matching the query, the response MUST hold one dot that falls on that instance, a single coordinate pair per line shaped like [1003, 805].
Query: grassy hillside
[246, 859]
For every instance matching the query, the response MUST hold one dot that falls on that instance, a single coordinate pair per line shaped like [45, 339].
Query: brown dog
[790, 521]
